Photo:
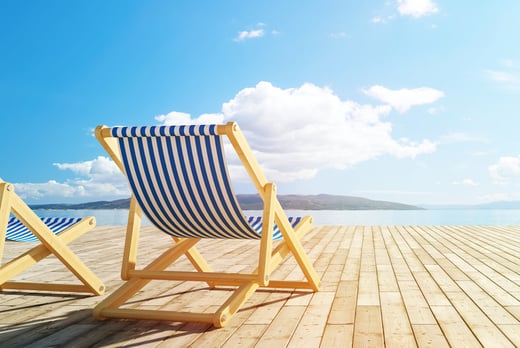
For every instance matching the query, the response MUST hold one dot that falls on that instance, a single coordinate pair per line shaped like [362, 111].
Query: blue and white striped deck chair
[19, 223]
[179, 179]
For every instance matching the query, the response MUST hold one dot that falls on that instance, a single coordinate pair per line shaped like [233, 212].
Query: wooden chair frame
[50, 243]
[246, 284]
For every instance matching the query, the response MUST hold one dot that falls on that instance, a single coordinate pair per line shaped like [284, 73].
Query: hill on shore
[498, 205]
[254, 202]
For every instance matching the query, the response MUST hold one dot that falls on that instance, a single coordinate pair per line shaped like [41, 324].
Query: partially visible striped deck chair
[18, 222]
[178, 178]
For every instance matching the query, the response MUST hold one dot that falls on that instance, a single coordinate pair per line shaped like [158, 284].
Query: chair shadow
[64, 323]
[77, 328]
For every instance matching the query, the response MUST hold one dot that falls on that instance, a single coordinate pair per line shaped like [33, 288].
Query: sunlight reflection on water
[488, 217]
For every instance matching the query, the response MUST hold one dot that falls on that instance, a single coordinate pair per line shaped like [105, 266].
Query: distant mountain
[117, 204]
[323, 202]
[492, 205]
[254, 202]
[500, 205]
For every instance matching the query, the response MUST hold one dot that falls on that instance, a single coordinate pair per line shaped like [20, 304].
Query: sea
[430, 217]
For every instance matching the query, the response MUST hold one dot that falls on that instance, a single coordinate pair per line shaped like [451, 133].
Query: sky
[412, 101]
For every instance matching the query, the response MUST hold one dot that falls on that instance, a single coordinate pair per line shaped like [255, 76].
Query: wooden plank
[426, 286]
[480, 325]
[266, 312]
[216, 338]
[396, 326]
[338, 336]
[246, 335]
[433, 294]
[368, 327]
[498, 314]
[164, 335]
[512, 332]
[368, 293]
[416, 305]
[312, 324]
[353, 263]
[62, 338]
[430, 336]
[280, 330]
[343, 309]
[454, 328]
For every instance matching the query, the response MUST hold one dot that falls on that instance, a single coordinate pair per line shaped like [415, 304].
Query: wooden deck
[401, 286]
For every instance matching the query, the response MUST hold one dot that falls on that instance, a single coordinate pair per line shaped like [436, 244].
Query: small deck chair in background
[178, 178]
[18, 222]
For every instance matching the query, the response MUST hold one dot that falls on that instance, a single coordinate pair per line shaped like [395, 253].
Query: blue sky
[409, 101]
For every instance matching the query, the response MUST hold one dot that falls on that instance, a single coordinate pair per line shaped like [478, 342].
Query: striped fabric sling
[179, 177]
[17, 231]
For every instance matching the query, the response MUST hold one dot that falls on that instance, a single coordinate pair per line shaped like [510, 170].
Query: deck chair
[178, 178]
[18, 222]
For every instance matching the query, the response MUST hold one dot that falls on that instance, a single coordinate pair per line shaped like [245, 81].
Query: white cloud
[432, 111]
[249, 34]
[466, 182]
[382, 19]
[258, 32]
[460, 137]
[500, 197]
[296, 132]
[508, 75]
[416, 8]
[403, 99]
[339, 35]
[506, 169]
[503, 77]
[412, 8]
[175, 117]
[96, 179]
[508, 62]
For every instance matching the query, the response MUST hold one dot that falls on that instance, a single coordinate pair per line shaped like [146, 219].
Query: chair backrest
[179, 176]
[17, 231]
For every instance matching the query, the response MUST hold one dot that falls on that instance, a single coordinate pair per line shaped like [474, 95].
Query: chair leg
[132, 241]
[4, 214]
[234, 303]
[292, 242]
[110, 307]
[133, 285]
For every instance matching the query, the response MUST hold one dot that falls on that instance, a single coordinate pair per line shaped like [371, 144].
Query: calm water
[118, 217]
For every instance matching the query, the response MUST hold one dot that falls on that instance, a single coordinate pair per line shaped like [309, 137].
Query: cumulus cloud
[506, 169]
[249, 34]
[412, 8]
[416, 8]
[403, 99]
[295, 132]
[258, 32]
[382, 19]
[175, 117]
[96, 179]
[460, 137]
[466, 182]
[508, 75]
